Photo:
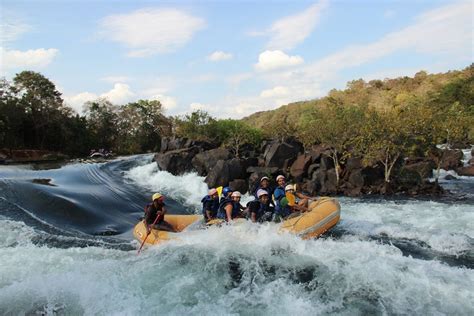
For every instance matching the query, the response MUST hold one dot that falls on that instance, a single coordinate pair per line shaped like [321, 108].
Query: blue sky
[230, 58]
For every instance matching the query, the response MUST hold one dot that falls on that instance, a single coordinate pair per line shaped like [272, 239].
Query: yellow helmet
[156, 196]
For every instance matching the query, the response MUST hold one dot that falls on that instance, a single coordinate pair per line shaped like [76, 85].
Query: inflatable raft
[323, 214]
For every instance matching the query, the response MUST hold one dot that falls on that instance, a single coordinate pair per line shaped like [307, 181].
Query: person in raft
[210, 205]
[230, 207]
[287, 211]
[301, 199]
[264, 184]
[279, 191]
[261, 210]
[226, 193]
[155, 214]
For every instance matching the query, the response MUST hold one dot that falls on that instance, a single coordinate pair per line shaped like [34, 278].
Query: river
[66, 248]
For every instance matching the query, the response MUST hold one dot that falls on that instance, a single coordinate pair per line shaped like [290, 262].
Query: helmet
[156, 196]
[264, 178]
[284, 202]
[289, 187]
[226, 191]
[280, 177]
[261, 192]
[236, 193]
[212, 192]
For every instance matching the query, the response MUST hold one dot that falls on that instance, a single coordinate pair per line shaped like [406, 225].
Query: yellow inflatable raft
[323, 215]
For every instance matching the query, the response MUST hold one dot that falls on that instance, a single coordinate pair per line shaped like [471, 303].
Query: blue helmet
[226, 191]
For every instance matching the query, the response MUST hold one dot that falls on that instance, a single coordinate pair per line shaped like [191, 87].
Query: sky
[229, 58]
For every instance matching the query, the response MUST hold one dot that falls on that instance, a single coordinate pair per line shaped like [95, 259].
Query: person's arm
[228, 211]
[303, 196]
[208, 215]
[253, 217]
[300, 208]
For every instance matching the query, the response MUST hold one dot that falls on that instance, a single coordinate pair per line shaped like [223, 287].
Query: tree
[102, 118]
[198, 125]
[41, 102]
[234, 134]
[336, 127]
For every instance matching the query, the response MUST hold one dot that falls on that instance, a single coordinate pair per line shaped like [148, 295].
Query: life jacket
[263, 212]
[235, 208]
[214, 205]
[278, 194]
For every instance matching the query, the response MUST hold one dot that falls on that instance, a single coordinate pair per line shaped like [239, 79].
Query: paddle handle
[149, 232]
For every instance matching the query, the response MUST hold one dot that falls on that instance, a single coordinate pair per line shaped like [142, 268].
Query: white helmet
[289, 187]
[261, 192]
[236, 193]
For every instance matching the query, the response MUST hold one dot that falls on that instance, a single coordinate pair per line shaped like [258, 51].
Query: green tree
[102, 119]
[234, 134]
[198, 125]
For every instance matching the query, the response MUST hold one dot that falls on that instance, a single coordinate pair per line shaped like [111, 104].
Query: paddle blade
[219, 191]
[291, 198]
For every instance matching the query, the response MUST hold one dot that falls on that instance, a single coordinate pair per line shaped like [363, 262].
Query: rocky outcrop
[29, 155]
[466, 171]
[177, 161]
[300, 167]
[204, 162]
[452, 159]
[225, 171]
[276, 153]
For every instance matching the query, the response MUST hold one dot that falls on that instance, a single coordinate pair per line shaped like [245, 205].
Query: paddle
[219, 191]
[149, 232]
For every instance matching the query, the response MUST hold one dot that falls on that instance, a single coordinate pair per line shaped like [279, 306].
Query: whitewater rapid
[402, 256]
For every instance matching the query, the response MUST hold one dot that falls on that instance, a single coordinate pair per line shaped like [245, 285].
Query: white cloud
[277, 91]
[236, 79]
[200, 106]
[33, 58]
[270, 60]
[119, 94]
[168, 102]
[77, 101]
[290, 31]
[113, 79]
[150, 31]
[219, 56]
[11, 27]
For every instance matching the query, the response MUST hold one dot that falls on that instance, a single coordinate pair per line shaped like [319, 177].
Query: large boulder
[300, 167]
[355, 183]
[203, 162]
[177, 161]
[224, 172]
[326, 162]
[452, 159]
[466, 171]
[324, 181]
[175, 143]
[239, 185]
[423, 168]
[276, 153]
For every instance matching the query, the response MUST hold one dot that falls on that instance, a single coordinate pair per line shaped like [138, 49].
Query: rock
[204, 162]
[224, 172]
[466, 171]
[267, 171]
[353, 163]
[452, 159]
[177, 161]
[300, 167]
[356, 179]
[276, 154]
[175, 143]
[316, 152]
[450, 177]
[312, 168]
[373, 177]
[329, 186]
[471, 161]
[239, 185]
[326, 162]
[408, 178]
[423, 168]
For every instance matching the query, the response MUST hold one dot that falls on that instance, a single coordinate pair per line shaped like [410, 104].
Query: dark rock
[287, 165]
[329, 186]
[423, 168]
[276, 154]
[203, 162]
[373, 176]
[239, 185]
[407, 178]
[177, 161]
[225, 171]
[312, 168]
[471, 161]
[175, 143]
[300, 167]
[353, 163]
[326, 162]
[450, 177]
[466, 171]
[312, 187]
[356, 179]
[316, 152]
[452, 159]
[267, 171]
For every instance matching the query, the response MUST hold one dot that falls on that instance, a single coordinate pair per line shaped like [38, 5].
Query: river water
[66, 248]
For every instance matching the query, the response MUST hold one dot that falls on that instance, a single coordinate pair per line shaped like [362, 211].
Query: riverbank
[312, 169]
[19, 156]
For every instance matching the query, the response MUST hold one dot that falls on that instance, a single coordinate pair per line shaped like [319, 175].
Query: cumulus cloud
[77, 101]
[219, 56]
[168, 102]
[150, 31]
[270, 60]
[200, 106]
[290, 31]
[277, 91]
[33, 58]
[113, 79]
